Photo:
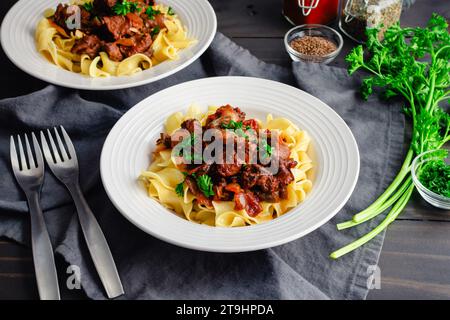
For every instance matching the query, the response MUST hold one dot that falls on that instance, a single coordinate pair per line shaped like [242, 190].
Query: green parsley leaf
[125, 7]
[170, 11]
[193, 157]
[151, 13]
[88, 6]
[241, 133]
[205, 185]
[232, 125]
[179, 189]
[267, 149]
[237, 127]
[155, 31]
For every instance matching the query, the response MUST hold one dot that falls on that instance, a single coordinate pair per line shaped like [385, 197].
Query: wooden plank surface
[415, 260]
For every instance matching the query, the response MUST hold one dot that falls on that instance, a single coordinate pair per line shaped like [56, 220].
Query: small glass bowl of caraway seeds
[313, 43]
[430, 172]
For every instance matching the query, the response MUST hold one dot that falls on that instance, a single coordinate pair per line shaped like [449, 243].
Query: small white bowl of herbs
[431, 175]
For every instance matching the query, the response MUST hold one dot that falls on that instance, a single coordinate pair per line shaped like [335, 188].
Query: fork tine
[13, 155]
[29, 153]
[37, 150]
[69, 144]
[46, 149]
[23, 159]
[61, 146]
[53, 147]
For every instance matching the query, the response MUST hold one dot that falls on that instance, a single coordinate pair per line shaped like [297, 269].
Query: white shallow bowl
[128, 147]
[18, 42]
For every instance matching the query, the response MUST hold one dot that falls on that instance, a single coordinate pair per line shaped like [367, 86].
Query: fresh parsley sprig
[237, 126]
[232, 125]
[193, 157]
[124, 7]
[266, 149]
[170, 11]
[205, 185]
[151, 13]
[88, 6]
[179, 189]
[155, 31]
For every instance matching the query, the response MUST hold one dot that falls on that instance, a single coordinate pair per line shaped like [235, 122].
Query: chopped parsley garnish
[205, 185]
[151, 13]
[88, 6]
[170, 11]
[267, 149]
[435, 176]
[155, 31]
[189, 142]
[125, 7]
[193, 157]
[237, 127]
[240, 133]
[232, 125]
[179, 189]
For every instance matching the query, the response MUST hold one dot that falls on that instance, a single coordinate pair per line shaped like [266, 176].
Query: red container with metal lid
[300, 12]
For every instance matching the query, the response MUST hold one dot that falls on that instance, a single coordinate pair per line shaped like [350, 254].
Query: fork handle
[97, 245]
[44, 262]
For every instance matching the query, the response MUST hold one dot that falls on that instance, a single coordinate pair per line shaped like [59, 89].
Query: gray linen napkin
[152, 269]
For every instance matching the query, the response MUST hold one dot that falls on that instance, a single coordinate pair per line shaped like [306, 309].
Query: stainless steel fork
[30, 176]
[64, 165]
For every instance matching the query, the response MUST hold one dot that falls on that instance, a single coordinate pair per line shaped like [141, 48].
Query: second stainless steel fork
[64, 165]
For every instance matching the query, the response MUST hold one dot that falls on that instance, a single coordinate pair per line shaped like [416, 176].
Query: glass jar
[300, 12]
[359, 15]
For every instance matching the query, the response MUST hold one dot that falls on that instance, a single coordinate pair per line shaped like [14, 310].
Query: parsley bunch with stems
[412, 63]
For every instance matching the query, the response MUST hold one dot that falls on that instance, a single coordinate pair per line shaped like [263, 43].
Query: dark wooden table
[415, 260]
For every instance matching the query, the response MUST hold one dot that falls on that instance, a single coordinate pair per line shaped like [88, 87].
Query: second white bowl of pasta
[221, 208]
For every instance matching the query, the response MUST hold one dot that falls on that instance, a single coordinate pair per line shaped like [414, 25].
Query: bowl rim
[419, 184]
[313, 26]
